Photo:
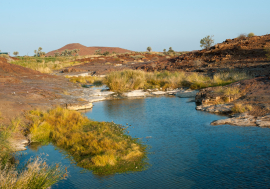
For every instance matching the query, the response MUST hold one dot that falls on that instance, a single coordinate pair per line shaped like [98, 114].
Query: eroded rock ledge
[245, 120]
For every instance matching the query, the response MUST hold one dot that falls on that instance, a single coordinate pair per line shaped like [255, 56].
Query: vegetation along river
[186, 151]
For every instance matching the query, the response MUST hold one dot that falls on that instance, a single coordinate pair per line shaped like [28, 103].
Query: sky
[134, 25]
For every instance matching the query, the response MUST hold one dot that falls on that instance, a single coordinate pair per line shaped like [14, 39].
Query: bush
[149, 49]
[251, 34]
[242, 36]
[267, 53]
[207, 42]
[15, 53]
[106, 53]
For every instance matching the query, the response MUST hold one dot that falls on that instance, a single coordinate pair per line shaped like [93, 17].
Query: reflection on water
[186, 151]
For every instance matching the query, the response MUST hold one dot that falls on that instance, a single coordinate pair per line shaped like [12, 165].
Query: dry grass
[36, 174]
[121, 81]
[99, 146]
[88, 79]
[45, 64]
[241, 108]
[228, 91]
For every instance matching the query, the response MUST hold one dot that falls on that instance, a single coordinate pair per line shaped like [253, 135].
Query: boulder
[219, 108]
[79, 106]
[187, 93]
[135, 93]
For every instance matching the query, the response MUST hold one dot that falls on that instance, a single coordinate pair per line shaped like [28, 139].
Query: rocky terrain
[87, 50]
[24, 89]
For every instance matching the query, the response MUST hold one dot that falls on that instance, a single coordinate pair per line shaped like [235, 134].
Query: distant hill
[87, 50]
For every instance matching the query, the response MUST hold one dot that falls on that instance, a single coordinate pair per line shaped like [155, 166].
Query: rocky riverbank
[250, 97]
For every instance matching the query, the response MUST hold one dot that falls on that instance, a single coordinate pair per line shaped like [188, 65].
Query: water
[186, 151]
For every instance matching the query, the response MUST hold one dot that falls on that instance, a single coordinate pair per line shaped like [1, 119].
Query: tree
[39, 52]
[15, 53]
[98, 52]
[56, 54]
[207, 42]
[170, 50]
[149, 49]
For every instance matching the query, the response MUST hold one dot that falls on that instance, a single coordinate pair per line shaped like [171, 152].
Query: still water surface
[186, 151]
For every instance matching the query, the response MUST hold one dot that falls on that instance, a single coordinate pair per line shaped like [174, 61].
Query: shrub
[242, 36]
[170, 50]
[197, 63]
[207, 42]
[251, 34]
[15, 53]
[267, 50]
[149, 49]
[106, 53]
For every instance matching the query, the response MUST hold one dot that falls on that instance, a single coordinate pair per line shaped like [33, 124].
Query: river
[186, 151]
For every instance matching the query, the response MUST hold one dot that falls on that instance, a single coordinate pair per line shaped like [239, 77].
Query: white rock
[173, 92]
[135, 93]
[158, 93]
[263, 123]
[80, 107]
[187, 93]
[102, 93]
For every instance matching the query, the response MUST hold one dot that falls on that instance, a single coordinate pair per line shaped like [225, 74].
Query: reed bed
[126, 80]
[102, 147]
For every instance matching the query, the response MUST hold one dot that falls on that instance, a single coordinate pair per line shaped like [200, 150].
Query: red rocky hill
[87, 50]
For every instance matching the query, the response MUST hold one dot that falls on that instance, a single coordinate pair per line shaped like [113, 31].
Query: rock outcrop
[245, 120]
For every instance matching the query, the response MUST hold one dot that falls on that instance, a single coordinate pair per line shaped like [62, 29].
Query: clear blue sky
[180, 24]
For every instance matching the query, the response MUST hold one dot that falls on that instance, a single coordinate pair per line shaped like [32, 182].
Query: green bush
[251, 34]
[207, 42]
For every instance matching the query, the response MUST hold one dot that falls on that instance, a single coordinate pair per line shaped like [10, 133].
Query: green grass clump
[99, 146]
[126, 80]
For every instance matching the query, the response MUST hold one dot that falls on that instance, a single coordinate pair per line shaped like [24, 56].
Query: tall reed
[121, 81]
